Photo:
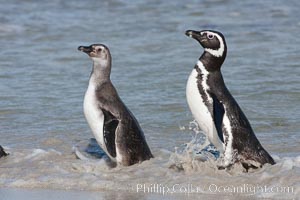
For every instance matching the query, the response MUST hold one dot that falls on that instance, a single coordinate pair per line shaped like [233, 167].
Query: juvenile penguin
[216, 111]
[113, 125]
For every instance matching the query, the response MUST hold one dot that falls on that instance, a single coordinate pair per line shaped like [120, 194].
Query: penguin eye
[210, 36]
[99, 50]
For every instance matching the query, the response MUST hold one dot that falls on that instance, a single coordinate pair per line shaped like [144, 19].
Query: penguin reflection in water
[115, 128]
[216, 111]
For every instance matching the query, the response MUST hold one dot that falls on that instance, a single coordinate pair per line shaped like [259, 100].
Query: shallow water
[43, 79]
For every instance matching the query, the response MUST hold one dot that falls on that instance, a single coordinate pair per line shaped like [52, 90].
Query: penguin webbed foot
[249, 166]
[225, 167]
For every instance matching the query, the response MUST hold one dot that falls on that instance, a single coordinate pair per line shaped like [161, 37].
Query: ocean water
[43, 79]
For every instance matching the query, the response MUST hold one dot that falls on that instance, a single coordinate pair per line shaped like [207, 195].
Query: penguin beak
[197, 35]
[193, 34]
[85, 49]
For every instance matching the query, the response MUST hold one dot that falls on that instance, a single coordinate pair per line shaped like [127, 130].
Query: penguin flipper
[126, 153]
[109, 132]
[218, 114]
[130, 143]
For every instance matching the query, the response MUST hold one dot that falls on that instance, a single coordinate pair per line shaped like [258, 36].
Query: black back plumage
[2, 152]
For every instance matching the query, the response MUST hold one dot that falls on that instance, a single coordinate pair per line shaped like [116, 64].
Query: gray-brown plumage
[115, 128]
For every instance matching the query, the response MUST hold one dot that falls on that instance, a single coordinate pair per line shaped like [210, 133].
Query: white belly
[200, 111]
[94, 115]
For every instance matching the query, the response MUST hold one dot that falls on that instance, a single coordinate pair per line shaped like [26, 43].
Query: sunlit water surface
[43, 79]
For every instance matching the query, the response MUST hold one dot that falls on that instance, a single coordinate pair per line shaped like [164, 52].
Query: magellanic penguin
[113, 125]
[216, 111]
[2, 152]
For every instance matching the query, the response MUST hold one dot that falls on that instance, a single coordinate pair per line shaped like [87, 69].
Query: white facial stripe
[219, 52]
